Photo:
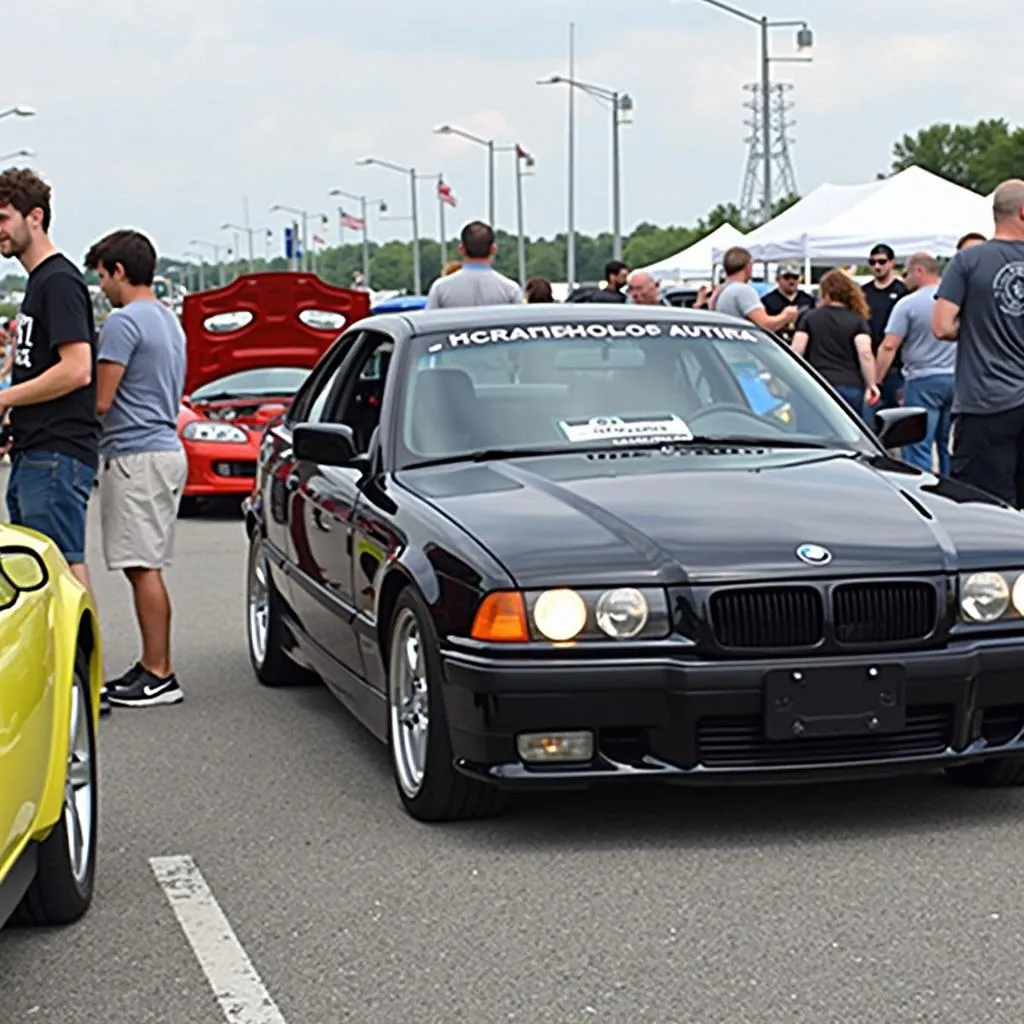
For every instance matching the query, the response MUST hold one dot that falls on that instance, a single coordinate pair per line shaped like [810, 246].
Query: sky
[171, 117]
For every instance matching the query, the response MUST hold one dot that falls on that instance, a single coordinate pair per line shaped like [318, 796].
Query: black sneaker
[146, 690]
[104, 700]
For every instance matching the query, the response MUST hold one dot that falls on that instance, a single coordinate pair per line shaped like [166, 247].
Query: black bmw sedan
[547, 546]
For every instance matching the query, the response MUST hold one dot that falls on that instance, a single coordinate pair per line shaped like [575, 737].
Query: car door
[326, 499]
[26, 713]
[284, 529]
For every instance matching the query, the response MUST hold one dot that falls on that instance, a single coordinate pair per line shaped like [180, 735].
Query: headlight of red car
[224, 433]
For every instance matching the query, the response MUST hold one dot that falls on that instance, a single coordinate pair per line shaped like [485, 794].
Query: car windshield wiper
[700, 441]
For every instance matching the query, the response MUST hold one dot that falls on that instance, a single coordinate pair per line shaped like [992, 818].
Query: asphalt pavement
[315, 900]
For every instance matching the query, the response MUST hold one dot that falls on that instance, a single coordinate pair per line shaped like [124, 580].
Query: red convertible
[251, 344]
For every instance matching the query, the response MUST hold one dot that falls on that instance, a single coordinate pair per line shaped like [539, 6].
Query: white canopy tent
[913, 211]
[697, 260]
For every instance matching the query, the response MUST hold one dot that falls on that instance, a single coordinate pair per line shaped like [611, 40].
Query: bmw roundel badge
[814, 554]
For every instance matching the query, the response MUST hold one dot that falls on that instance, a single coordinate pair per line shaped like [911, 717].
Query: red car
[250, 345]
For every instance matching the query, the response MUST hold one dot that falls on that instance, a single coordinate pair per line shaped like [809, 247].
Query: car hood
[707, 517]
[259, 320]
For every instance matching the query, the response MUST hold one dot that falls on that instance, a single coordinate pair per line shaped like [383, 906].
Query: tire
[263, 625]
[62, 889]
[430, 788]
[997, 773]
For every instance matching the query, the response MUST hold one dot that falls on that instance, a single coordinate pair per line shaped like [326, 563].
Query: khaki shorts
[139, 496]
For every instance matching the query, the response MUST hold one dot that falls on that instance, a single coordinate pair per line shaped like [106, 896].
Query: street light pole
[523, 159]
[18, 111]
[447, 129]
[366, 228]
[216, 255]
[367, 161]
[622, 113]
[804, 41]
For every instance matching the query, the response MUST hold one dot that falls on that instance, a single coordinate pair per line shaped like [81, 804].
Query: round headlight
[622, 613]
[1017, 595]
[985, 596]
[560, 614]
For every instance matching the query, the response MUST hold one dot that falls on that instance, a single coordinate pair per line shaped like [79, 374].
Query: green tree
[977, 156]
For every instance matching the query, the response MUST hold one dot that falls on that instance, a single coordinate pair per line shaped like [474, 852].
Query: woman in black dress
[836, 340]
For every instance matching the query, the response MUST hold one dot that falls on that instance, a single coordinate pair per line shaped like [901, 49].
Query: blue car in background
[400, 304]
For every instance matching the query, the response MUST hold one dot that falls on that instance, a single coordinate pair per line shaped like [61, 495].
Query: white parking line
[227, 967]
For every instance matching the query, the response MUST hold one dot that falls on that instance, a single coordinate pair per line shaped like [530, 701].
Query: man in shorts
[52, 397]
[140, 380]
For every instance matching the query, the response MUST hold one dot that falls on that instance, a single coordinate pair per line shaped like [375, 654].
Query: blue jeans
[890, 389]
[854, 398]
[933, 393]
[49, 492]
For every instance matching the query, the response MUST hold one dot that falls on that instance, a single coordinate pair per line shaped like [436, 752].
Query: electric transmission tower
[783, 179]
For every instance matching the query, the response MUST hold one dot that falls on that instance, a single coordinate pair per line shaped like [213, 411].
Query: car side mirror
[898, 427]
[328, 444]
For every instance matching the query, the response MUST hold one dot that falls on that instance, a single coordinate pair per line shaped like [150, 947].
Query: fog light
[546, 747]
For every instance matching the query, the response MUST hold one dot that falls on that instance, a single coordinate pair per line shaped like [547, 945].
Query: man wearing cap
[787, 292]
[882, 293]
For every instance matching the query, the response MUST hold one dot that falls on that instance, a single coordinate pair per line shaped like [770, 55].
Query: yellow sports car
[50, 678]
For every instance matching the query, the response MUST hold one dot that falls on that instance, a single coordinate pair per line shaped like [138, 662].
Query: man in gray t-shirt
[928, 364]
[140, 376]
[981, 302]
[477, 283]
[737, 297]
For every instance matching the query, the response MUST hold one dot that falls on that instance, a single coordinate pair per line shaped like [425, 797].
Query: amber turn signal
[501, 618]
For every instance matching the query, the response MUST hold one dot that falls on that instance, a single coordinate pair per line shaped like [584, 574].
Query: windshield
[565, 386]
[275, 381]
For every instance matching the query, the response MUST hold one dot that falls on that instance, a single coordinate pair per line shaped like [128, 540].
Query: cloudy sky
[164, 115]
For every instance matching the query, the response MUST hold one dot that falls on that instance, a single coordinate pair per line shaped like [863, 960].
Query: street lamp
[216, 255]
[17, 153]
[804, 41]
[621, 105]
[525, 164]
[370, 161]
[363, 201]
[447, 129]
[280, 207]
[19, 111]
[247, 231]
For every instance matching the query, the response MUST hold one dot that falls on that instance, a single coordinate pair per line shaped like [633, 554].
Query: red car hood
[257, 321]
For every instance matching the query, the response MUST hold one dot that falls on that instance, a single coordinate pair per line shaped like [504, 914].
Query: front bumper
[690, 721]
[220, 470]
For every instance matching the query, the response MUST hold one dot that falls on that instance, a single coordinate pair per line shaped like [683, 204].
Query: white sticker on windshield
[626, 429]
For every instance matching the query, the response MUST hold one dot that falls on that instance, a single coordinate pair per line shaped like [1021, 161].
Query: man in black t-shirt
[615, 274]
[882, 294]
[52, 397]
[787, 292]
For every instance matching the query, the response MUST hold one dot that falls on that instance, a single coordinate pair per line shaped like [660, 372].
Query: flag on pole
[444, 193]
[351, 222]
[317, 240]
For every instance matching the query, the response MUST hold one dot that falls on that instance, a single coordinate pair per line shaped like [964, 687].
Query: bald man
[644, 290]
[980, 302]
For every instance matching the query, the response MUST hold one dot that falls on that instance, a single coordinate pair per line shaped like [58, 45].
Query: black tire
[444, 794]
[274, 668]
[997, 773]
[56, 896]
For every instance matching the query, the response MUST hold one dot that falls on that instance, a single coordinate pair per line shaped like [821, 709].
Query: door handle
[322, 522]
[291, 482]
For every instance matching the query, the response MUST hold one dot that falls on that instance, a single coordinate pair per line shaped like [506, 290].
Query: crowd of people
[950, 341]
[86, 408]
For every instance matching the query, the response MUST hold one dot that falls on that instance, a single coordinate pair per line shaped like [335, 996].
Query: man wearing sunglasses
[882, 293]
[787, 292]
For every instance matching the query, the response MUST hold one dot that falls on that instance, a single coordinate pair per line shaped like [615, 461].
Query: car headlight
[622, 613]
[985, 596]
[564, 615]
[560, 615]
[204, 430]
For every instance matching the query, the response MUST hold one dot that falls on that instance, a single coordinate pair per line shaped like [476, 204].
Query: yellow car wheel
[66, 864]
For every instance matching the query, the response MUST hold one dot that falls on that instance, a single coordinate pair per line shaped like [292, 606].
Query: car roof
[431, 321]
